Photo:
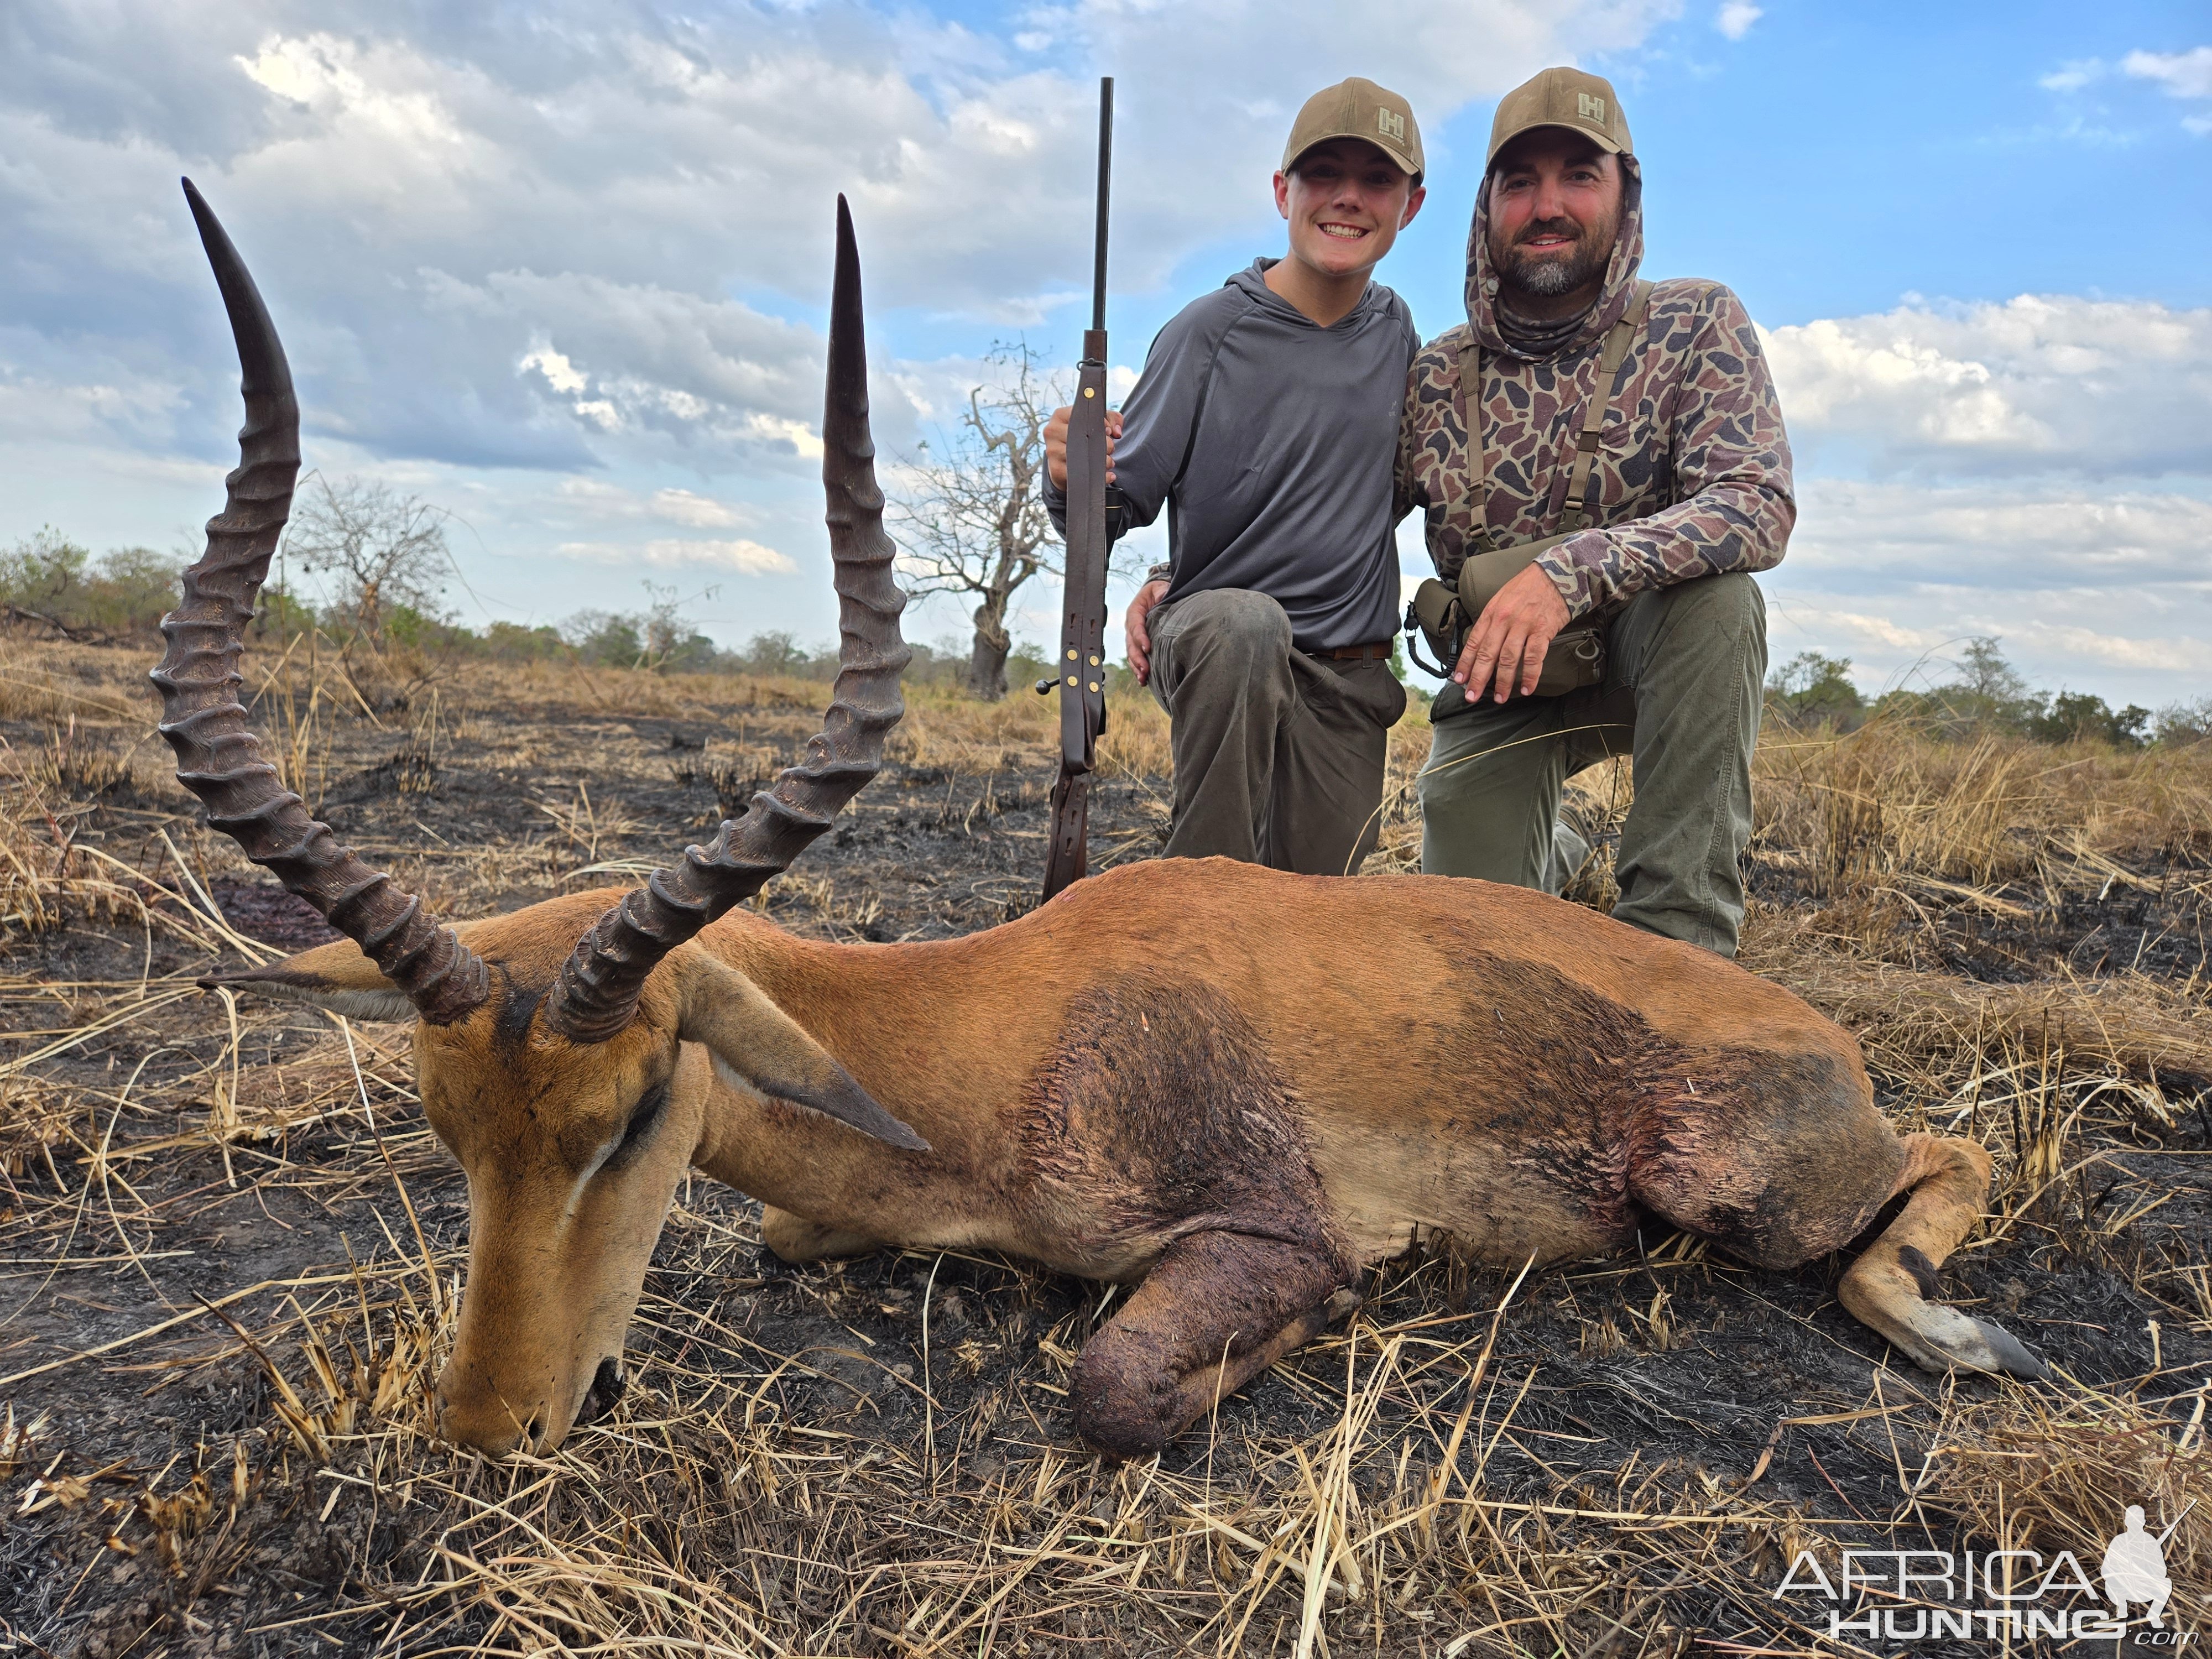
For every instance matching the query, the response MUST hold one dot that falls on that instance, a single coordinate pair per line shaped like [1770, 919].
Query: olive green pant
[1278, 757]
[1685, 668]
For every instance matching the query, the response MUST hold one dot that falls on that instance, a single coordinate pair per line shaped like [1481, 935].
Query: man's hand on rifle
[1136, 635]
[1055, 444]
[1515, 630]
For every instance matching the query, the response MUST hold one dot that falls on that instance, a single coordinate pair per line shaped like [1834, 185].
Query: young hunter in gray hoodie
[1265, 422]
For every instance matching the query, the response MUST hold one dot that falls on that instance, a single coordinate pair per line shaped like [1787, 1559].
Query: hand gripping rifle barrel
[1081, 668]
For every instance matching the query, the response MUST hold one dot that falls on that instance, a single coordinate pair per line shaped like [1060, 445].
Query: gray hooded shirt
[1271, 442]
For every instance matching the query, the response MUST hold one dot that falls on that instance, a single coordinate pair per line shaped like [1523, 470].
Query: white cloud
[697, 511]
[2036, 384]
[573, 241]
[747, 558]
[1736, 18]
[560, 373]
[2182, 74]
[501, 239]
[111, 403]
[597, 499]
[2074, 76]
[2108, 591]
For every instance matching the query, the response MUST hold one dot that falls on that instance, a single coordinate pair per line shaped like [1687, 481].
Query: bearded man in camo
[1691, 494]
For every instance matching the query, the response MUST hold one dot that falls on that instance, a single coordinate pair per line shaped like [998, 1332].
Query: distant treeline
[1984, 694]
[50, 580]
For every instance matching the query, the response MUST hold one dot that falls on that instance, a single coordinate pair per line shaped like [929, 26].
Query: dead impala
[1233, 1088]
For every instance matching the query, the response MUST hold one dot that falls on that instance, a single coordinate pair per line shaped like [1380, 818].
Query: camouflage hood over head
[1692, 475]
[1612, 299]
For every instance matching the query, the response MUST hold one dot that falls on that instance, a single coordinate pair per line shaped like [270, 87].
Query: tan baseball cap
[1562, 98]
[1358, 109]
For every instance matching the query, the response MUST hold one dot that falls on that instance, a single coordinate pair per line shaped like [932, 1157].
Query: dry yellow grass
[1399, 1502]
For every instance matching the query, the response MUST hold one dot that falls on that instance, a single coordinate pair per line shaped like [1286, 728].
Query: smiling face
[1345, 202]
[1554, 215]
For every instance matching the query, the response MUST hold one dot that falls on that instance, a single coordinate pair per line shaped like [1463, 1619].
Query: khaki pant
[1685, 666]
[1279, 755]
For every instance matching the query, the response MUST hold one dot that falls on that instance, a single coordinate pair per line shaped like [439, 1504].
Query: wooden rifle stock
[1080, 668]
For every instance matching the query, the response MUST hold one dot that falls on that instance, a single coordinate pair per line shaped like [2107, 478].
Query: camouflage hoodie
[1692, 475]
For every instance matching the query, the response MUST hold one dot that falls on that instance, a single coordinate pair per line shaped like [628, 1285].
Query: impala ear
[336, 976]
[755, 1043]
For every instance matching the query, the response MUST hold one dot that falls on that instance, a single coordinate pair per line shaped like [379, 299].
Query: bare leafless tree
[379, 550]
[972, 518]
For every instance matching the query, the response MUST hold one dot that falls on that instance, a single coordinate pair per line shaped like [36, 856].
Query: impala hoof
[1949, 1340]
[2013, 1357]
[607, 1385]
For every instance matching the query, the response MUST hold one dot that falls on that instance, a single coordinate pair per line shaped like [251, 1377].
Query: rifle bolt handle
[1043, 687]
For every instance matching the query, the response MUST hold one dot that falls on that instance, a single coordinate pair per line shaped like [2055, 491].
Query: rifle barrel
[1105, 176]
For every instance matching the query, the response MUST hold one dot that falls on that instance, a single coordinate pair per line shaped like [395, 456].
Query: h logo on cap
[1390, 124]
[1589, 108]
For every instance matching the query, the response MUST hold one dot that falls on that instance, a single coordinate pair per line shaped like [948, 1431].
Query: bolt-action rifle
[1081, 667]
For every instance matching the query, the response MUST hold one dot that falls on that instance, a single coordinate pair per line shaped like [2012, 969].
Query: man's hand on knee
[1137, 634]
[1055, 443]
[1510, 637]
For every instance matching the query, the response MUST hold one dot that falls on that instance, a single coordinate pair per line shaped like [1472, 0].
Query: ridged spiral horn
[218, 757]
[596, 994]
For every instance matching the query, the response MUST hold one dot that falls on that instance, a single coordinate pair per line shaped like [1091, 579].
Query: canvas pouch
[1442, 613]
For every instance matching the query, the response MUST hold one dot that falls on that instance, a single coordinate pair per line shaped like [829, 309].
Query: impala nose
[484, 1420]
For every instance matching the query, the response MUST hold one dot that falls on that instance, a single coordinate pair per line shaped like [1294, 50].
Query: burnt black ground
[929, 852]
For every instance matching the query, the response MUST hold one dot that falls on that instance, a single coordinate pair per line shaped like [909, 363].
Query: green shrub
[125, 590]
[1813, 690]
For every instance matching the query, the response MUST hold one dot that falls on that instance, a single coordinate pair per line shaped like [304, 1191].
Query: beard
[1549, 275]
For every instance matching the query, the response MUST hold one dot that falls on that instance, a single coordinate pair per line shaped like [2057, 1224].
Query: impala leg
[795, 1238]
[1216, 1309]
[1889, 1288]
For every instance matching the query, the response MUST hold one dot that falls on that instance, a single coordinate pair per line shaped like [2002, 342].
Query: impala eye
[643, 1118]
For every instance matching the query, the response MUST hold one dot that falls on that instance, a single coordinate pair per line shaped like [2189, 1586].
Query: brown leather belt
[1378, 651]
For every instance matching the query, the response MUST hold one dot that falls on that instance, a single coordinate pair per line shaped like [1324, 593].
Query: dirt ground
[232, 1251]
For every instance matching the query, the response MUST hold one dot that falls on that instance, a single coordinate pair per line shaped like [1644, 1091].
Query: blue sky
[561, 269]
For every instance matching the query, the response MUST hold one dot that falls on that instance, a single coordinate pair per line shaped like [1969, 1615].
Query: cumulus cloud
[542, 264]
[2074, 76]
[1736, 18]
[2037, 384]
[2082, 587]
[500, 240]
[598, 499]
[2182, 74]
[2186, 75]
[747, 558]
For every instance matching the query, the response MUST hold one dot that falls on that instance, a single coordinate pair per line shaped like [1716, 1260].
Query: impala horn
[218, 757]
[599, 987]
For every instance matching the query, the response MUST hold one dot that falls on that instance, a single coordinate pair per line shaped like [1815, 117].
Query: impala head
[548, 1044]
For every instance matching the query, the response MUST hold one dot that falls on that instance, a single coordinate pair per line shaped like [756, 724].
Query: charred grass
[233, 1252]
